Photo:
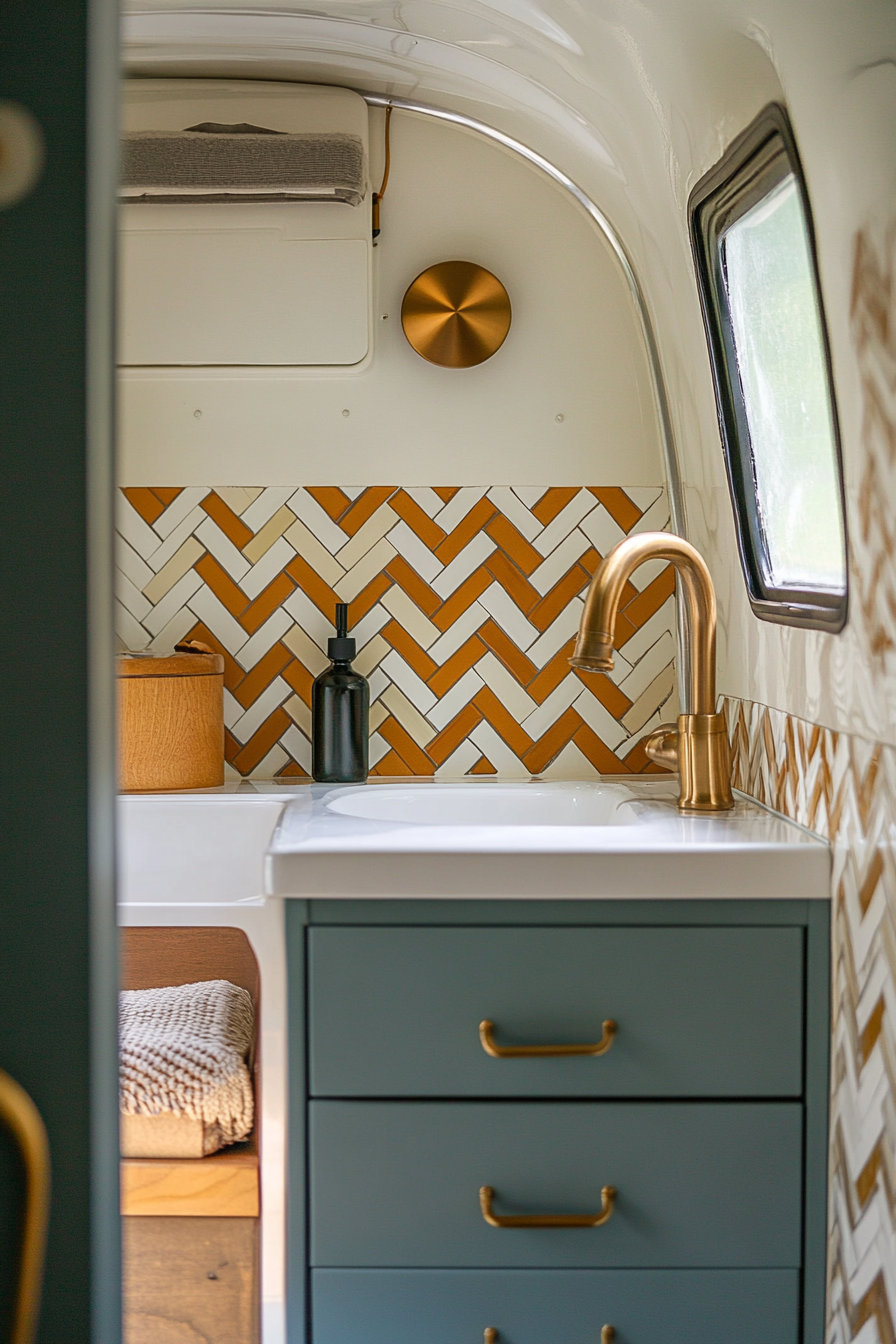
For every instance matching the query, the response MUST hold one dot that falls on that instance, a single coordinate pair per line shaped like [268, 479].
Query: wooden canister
[171, 720]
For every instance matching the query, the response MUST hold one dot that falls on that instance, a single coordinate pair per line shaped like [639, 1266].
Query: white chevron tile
[409, 718]
[557, 703]
[265, 505]
[458, 633]
[650, 700]
[129, 629]
[644, 639]
[568, 518]
[372, 654]
[642, 496]
[501, 606]
[353, 491]
[172, 602]
[654, 519]
[377, 716]
[178, 510]
[602, 530]
[649, 666]
[418, 555]
[530, 494]
[378, 681]
[239, 497]
[223, 549]
[407, 680]
[426, 498]
[173, 631]
[367, 568]
[132, 527]
[261, 709]
[310, 618]
[184, 559]
[558, 632]
[570, 764]
[265, 638]
[497, 751]
[377, 749]
[600, 720]
[254, 582]
[130, 596]
[303, 540]
[215, 615]
[559, 562]
[513, 508]
[369, 624]
[645, 574]
[409, 615]
[233, 710]
[462, 759]
[367, 535]
[457, 508]
[451, 704]
[306, 507]
[173, 542]
[461, 567]
[130, 563]
[272, 764]
[298, 746]
[300, 714]
[506, 687]
[306, 650]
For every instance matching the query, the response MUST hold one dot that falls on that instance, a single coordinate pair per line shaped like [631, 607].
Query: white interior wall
[567, 400]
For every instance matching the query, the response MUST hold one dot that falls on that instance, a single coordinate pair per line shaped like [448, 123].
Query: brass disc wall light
[456, 314]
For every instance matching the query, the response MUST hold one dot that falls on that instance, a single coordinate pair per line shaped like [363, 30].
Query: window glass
[778, 341]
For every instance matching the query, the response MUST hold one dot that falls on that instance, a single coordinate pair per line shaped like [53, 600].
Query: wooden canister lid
[188, 660]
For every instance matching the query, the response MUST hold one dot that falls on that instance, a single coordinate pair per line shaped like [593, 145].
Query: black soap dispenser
[340, 703]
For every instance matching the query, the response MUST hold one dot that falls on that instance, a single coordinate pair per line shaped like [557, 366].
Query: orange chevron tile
[409, 649]
[419, 522]
[296, 675]
[232, 526]
[453, 668]
[590, 561]
[262, 674]
[552, 502]
[402, 742]
[415, 587]
[557, 669]
[330, 498]
[233, 673]
[639, 762]
[445, 492]
[364, 507]
[392, 765]
[167, 494]
[618, 505]
[367, 598]
[292, 771]
[560, 596]
[603, 689]
[466, 530]
[642, 607]
[462, 598]
[228, 593]
[267, 602]
[624, 629]
[313, 586]
[483, 767]
[514, 544]
[231, 747]
[507, 728]
[553, 741]
[450, 738]
[260, 742]
[507, 652]
[512, 581]
[597, 752]
[145, 501]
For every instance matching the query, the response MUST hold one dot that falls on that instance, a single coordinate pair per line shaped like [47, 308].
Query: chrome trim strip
[673, 479]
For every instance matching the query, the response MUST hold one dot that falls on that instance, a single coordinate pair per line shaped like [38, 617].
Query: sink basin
[488, 805]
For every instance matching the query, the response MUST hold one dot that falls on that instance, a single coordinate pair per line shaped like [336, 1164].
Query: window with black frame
[751, 232]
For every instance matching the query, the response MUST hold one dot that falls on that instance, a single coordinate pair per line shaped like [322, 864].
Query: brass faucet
[698, 746]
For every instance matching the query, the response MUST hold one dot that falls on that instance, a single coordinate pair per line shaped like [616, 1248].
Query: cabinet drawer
[555, 1306]
[704, 1184]
[700, 1011]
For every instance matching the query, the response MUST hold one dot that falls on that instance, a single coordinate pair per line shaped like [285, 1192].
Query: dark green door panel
[700, 1011]
[711, 1184]
[555, 1306]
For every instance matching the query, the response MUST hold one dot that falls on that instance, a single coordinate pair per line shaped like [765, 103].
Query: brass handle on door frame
[490, 1335]
[486, 1036]
[607, 1196]
[20, 1115]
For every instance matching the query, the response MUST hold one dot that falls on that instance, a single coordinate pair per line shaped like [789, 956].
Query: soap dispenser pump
[340, 702]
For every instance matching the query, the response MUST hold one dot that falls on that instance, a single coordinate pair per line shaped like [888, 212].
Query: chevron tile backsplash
[464, 603]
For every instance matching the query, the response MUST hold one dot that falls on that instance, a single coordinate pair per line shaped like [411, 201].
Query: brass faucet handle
[662, 746]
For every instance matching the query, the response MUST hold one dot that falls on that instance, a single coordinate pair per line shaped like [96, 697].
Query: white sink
[488, 804]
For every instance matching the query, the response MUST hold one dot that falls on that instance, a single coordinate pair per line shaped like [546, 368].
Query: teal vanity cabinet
[676, 1178]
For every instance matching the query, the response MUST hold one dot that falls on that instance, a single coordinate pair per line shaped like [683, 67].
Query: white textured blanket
[182, 1052]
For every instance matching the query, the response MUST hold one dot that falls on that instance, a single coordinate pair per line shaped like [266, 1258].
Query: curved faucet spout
[597, 630]
[699, 747]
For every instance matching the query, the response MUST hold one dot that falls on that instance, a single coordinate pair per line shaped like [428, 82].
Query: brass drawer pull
[607, 1195]
[491, 1336]
[486, 1036]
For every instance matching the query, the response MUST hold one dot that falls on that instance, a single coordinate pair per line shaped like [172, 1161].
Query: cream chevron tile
[410, 617]
[215, 615]
[173, 542]
[367, 568]
[178, 510]
[461, 567]
[239, 497]
[417, 553]
[407, 715]
[367, 535]
[602, 530]
[564, 524]
[306, 650]
[260, 709]
[456, 510]
[272, 530]
[275, 559]
[455, 700]
[458, 633]
[506, 687]
[130, 563]
[173, 632]
[265, 638]
[183, 560]
[174, 599]
[266, 505]
[129, 630]
[306, 507]
[406, 678]
[307, 545]
[515, 511]
[560, 562]
[223, 549]
[130, 596]
[500, 605]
